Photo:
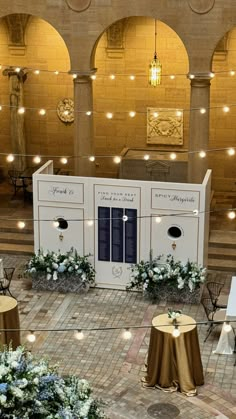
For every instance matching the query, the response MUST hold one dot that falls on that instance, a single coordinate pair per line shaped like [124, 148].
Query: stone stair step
[222, 253]
[222, 238]
[13, 248]
[222, 265]
[17, 238]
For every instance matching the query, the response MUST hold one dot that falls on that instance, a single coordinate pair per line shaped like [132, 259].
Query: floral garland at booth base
[170, 280]
[63, 272]
[30, 389]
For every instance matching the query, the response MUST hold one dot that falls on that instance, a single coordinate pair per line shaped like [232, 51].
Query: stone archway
[31, 50]
[126, 49]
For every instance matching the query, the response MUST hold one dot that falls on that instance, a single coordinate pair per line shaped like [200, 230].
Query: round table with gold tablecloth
[174, 363]
[9, 319]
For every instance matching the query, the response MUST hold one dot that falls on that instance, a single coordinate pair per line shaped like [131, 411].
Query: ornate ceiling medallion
[201, 6]
[78, 5]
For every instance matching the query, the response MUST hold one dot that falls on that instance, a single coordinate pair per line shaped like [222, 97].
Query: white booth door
[68, 233]
[116, 234]
[179, 238]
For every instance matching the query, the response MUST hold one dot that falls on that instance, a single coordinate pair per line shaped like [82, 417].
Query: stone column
[83, 136]
[16, 81]
[198, 127]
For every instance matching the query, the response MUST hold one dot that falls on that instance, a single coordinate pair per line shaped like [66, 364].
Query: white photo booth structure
[116, 221]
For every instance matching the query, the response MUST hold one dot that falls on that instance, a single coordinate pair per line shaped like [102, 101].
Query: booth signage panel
[175, 199]
[116, 240]
[65, 192]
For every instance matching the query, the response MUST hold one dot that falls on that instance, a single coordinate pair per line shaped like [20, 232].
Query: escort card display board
[117, 221]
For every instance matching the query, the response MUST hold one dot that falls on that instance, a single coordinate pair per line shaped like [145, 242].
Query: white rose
[3, 399]
[14, 364]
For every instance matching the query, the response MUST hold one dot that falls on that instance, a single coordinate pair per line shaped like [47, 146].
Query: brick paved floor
[113, 365]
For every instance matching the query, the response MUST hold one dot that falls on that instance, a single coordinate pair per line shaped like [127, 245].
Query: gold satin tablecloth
[9, 319]
[174, 363]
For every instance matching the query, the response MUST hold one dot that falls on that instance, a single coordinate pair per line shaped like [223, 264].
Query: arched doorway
[123, 51]
[34, 75]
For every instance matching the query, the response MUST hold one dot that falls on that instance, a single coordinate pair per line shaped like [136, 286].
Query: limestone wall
[68, 38]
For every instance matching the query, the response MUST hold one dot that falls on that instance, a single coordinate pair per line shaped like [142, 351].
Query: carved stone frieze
[16, 24]
[115, 39]
[164, 126]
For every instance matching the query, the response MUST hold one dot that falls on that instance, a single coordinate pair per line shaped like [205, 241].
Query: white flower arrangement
[174, 314]
[149, 275]
[30, 389]
[54, 264]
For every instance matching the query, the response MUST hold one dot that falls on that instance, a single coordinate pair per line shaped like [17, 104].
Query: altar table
[174, 363]
[9, 319]
[227, 341]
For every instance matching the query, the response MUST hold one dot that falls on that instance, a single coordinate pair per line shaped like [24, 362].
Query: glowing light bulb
[90, 223]
[127, 334]
[212, 75]
[158, 219]
[31, 337]
[112, 76]
[42, 112]
[79, 335]
[64, 160]
[74, 76]
[202, 110]
[17, 69]
[56, 72]
[117, 159]
[132, 114]
[21, 224]
[10, 158]
[37, 159]
[88, 113]
[125, 218]
[93, 77]
[173, 156]
[36, 72]
[202, 154]
[227, 327]
[226, 109]
[231, 215]
[21, 110]
[91, 158]
[191, 76]
[109, 115]
[172, 76]
[176, 332]
[0, 107]
[132, 77]
[232, 72]
[146, 157]
[66, 112]
[231, 151]
[155, 114]
[178, 113]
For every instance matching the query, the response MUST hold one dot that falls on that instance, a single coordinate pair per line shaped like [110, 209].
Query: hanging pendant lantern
[155, 67]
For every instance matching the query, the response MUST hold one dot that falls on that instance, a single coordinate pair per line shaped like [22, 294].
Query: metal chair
[212, 315]
[6, 281]
[218, 300]
[15, 180]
